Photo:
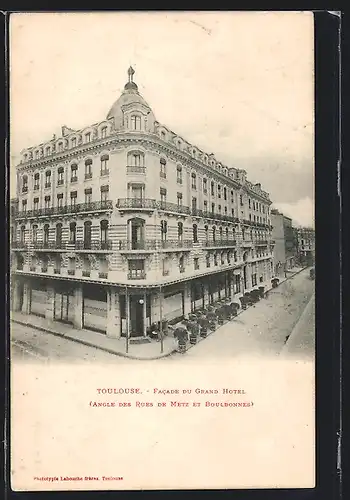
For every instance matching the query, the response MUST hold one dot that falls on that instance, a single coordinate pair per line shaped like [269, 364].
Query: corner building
[125, 222]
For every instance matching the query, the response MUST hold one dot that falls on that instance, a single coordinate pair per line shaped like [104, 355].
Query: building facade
[285, 248]
[124, 223]
[306, 245]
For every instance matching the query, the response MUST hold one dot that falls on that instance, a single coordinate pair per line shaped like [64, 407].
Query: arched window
[135, 122]
[36, 181]
[163, 135]
[214, 233]
[225, 193]
[23, 234]
[58, 235]
[46, 234]
[72, 232]
[212, 188]
[35, 233]
[195, 233]
[24, 184]
[48, 178]
[206, 232]
[47, 150]
[136, 159]
[163, 168]
[163, 229]
[179, 174]
[60, 146]
[193, 180]
[87, 234]
[226, 233]
[104, 233]
[220, 231]
[180, 230]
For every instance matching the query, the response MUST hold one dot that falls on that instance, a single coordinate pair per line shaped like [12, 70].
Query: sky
[236, 84]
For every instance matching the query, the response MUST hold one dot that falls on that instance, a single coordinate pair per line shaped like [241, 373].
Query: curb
[308, 306]
[90, 344]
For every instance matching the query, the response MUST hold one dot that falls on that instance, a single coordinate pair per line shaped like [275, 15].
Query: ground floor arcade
[125, 309]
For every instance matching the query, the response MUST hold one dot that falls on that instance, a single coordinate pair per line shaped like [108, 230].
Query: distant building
[285, 249]
[306, 245]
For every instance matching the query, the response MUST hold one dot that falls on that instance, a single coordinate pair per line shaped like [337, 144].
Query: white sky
[238, 84]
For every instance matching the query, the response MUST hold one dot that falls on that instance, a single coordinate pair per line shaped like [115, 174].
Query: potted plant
[243, 301]
[274, 282]
[234, 308]
[193, 328]
[248, 297]
[204, 326]
[262, 291]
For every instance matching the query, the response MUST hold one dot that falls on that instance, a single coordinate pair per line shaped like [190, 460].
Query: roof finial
[131, 72]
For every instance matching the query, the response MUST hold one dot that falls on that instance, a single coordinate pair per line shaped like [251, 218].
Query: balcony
[67, 209]
[60, 182]
[176, 244]
[71, 272]
[74, 179]
[166, 272]
[88, 176]
[103, 275]
[18, 245]
[25, 189]
[246, 243]
[137, 245]
[182, 269]
[162, 175]
[32, 269]
[135, 169]
[261, 242]
[44, 269]
[36, 187]
[136, 203]
[47, 185]
[57, 271]
[173, 207]
[104, 172]
[93, 245]
[86, 274]
[136, 274]
[220, 243]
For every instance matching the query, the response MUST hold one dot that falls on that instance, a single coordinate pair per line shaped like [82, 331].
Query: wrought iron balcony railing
[93, 245]
[173, 207]
[136, 274]
[44, 269]
[261, 242]
[180, 243]
[18, 244]
[137, 245]
[103, 275]
[57, 271]
[86, 274]
[88, 175]
[220, 243]
[67, 209]
[32, 268]
[136, 203]
[104, 172]
[71, 272]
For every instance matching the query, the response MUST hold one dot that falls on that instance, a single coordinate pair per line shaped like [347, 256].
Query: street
[281, 324]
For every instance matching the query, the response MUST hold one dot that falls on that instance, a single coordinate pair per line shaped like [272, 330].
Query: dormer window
[47, 151]
[60, 146]
[36, 181]
[88, 137]
[135, 122]
[74, 142]
[37, 154]
[162, 135]
[104, 132]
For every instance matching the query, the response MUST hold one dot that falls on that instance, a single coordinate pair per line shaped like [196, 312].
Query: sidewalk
[147, 351]
[115, 346]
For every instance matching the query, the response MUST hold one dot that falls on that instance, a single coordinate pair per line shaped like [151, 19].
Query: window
[180, 229]
[135, 122]
[46, 233]
[194, 205]
[163, 229]
[58, 235]
[72, 232]
[250, 217]
[207, 260]
[225, 194]
[60, 200]
[163, 168]
[249, 203]
[179, 174]
[104, 165]
[214, 233]
[48, 178]
[24, 206]
[205, 204]
[136, 159]
[47, 202]
[195, 233]
[219, 209]
[24, 184]
[87, 234]
[196, 263]
[73, 172]
[193, 181]
[219, 191]
[36, 181]
[212, 188]
[215, 259]
[241, 200]
[213, 208]
[226, 231]
[222, 258]
[220, 231]
[60, 174]
[104, 194]
[36, 204]
[73, 198]
[88, 137]
[60, 146]
[136, 269]
[162, 195]
[206, 232]
[104, 132]
[35, 233]
[232, 199]
[179, 199]
[74, 142]
[181, 264]
[225, 210]
[88, 171]
[23, 234]
[205, 185]
[88, 195]
[162, 135]
[232, 212]
[228, 258]
[104, 231]
[47, 151]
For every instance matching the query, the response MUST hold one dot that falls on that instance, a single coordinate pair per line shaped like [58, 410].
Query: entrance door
[64, 307]
[136, 316]
[245, 277]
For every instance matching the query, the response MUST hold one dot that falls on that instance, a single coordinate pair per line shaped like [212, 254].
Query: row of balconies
[126, 245]
[66, 209]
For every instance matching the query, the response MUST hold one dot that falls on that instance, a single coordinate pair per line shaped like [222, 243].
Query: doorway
[136, 315]
[64, 307]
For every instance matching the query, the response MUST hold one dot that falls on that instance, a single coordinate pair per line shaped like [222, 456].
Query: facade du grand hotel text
[124, 222]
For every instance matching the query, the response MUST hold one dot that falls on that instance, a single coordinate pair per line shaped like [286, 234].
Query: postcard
[162, 250]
